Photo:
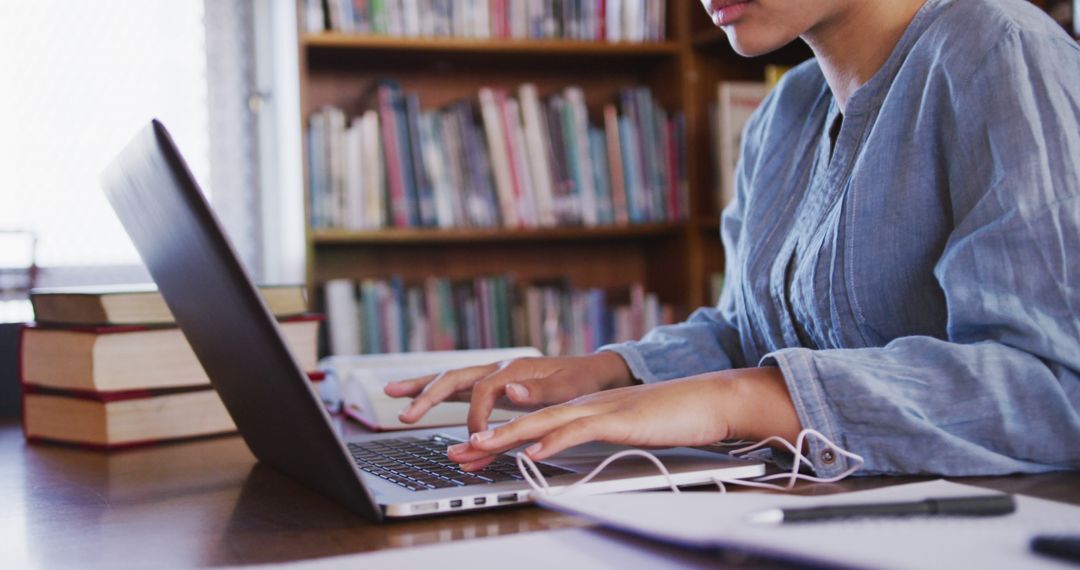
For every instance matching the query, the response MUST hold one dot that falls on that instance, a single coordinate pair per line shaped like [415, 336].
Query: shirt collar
[870, 94]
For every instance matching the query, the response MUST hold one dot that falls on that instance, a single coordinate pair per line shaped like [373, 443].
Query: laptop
[269, 397]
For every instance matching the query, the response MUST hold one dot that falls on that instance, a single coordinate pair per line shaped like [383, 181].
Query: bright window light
[79, 79]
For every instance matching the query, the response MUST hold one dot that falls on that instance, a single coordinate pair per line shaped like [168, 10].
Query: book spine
[523, 190]
[615, 165]
[631, 169]
[405, 158]
[425, 193]
[437, 172]
[536, 145]
[484, 204]
[354, 177]
[499, 156]
[399, 204]
[373, 178]
[604, 210]
[575, 200]
[342, 322]
[582, 161]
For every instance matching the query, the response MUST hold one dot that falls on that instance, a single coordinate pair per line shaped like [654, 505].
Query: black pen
[1063, 547]
[977, 506]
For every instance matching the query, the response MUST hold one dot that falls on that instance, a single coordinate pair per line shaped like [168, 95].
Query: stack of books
[583, 20]
[496, 161]
[376, 316]
[107, 367]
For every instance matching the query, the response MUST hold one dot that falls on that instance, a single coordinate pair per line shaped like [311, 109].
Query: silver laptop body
[238, 343]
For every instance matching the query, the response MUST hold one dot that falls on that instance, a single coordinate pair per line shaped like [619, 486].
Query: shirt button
[828, 457]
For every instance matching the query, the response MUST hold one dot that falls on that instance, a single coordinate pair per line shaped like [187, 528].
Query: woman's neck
[854, 43]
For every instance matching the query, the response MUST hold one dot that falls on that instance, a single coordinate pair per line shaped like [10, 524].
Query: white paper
[557, 549]
[718, 520]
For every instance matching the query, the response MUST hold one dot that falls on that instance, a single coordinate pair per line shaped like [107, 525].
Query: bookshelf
[673, 259]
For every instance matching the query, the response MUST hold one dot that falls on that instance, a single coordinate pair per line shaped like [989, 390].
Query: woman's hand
[748, 403]
[521, 383]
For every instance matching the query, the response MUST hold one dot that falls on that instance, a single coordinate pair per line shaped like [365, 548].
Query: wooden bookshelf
[672, 259]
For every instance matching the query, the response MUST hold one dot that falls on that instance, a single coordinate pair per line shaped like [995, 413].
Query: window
[80, 79]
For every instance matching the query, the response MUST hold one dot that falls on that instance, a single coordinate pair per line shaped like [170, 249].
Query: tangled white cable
[539, 483]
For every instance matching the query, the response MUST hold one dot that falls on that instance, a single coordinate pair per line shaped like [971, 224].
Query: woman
[903, 261]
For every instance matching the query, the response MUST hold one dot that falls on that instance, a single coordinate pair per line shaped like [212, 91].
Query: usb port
[455, 503]
[508, 498]
[479, 501]
[425, 507]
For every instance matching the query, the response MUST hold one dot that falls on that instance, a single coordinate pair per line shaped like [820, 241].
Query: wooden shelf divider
[398, 236]
[356, 42]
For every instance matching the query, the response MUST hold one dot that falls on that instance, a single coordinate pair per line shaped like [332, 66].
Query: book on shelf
[501, 160]
[137, 304]
[122, 358]
[716, 286]
[774, 72]
[122, 419]
[584, 20]
[363, 377]
[736, 102]
[376, 316]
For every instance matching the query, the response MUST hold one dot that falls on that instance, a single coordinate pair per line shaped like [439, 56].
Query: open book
[361, 380]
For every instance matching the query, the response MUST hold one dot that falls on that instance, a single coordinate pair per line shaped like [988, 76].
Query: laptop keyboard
[421, 464]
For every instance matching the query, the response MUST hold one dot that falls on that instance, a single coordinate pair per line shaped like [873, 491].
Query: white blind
[79, 80]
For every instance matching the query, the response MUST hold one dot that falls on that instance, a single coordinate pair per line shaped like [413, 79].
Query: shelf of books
[557, 146]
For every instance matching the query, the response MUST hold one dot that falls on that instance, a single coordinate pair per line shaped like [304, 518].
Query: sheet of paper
[546, 550]
[718, 520]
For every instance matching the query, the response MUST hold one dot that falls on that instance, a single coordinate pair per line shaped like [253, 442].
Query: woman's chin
[753, 45]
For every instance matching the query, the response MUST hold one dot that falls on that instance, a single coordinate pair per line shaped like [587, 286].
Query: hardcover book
[122, 419]
[121, 358]
[137, 304]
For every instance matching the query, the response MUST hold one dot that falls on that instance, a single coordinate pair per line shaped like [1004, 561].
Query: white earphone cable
[539, 483]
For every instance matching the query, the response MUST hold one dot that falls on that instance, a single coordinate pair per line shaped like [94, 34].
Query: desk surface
[208, 503]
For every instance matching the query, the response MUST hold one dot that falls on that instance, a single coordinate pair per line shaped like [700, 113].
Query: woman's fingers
[478, 464]
[577, 432]
[525, 383]
[409, 387]
[524, 429]
[489, 390]
[442, 387]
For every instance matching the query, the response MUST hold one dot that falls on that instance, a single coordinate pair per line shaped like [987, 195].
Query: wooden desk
[209, 503]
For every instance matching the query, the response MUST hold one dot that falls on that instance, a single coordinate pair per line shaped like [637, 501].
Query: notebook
[708, 520]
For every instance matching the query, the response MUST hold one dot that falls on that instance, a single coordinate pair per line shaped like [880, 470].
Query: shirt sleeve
[1001, 393]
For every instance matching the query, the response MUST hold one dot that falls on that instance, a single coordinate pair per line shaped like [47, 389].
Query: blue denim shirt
[919, 284]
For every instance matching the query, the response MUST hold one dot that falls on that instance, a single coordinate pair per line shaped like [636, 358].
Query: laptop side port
[480, 501]
[425, 507]
[455, 504]
[508, 498]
